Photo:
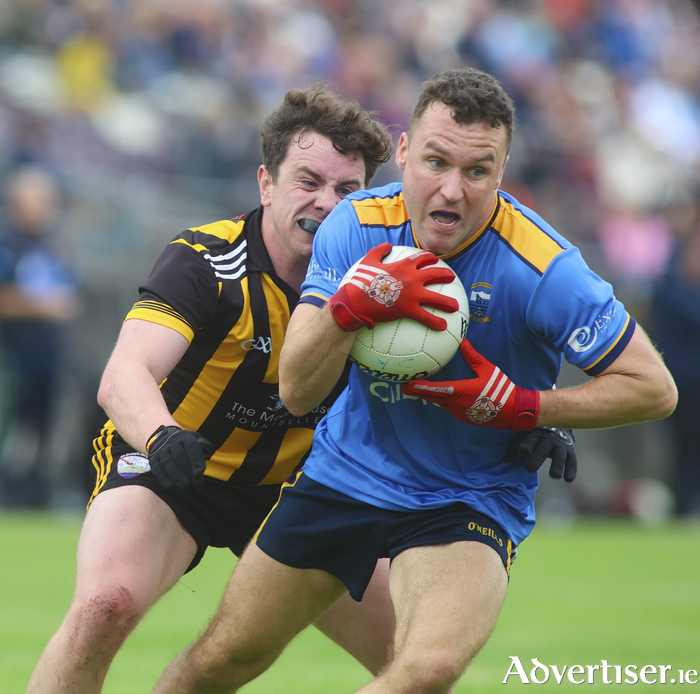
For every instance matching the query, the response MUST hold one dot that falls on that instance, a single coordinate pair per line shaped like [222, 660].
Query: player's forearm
[132, 400]
[312, 359]
[609, 400]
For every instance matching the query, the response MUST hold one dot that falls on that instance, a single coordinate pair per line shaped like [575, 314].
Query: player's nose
[326, 199]
[451, 186]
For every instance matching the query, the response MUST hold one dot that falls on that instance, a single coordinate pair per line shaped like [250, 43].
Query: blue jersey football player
[421, 472]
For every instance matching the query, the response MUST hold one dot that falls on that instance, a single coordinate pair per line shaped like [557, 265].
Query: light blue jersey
[533, 300]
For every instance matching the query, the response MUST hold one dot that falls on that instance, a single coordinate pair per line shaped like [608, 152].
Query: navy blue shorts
[217, 514]
[315, 527]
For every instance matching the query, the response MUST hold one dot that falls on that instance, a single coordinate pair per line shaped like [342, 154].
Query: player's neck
[289, 266]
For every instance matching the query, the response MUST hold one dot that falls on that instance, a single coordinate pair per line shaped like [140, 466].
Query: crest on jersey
[479, 301]
[482, 410]
[385, 290]
[132, 464]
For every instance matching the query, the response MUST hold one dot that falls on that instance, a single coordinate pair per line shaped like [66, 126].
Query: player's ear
[401, 151]
[265, 185]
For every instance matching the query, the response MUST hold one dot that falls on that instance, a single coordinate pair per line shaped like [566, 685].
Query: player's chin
[440, 241]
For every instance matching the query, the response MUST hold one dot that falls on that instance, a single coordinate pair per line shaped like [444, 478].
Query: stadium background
[148, 113]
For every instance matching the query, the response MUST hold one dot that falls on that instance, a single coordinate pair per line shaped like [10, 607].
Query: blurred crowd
[147, 113]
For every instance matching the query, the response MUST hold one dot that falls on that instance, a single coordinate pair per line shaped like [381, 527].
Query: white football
[404, 349]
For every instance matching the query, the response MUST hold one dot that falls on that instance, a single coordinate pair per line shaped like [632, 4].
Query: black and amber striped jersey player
[216, 286]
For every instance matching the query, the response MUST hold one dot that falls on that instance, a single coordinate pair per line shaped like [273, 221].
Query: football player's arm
[636, 387]
[312, 359]
[129, 392]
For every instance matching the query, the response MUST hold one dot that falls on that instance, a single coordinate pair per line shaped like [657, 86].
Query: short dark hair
[474, 97]
[352, 130]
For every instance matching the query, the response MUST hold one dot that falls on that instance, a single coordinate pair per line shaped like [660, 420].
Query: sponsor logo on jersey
[479, 300]
[583, 338]
[277, 403]
[329, 273]
[132, 464]
[263, 344]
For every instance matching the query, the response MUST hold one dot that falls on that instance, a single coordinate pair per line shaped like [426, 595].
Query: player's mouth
[310, 225]
[444, 219]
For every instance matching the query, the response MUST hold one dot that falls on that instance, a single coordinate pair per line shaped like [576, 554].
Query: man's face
[450, 175]
[313, 178]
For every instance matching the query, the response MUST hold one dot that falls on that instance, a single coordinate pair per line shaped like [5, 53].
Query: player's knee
[431, 672]
[106, 615]
[224, 659]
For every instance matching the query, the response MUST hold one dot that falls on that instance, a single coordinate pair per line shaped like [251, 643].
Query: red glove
[380, 293]
[490, 400]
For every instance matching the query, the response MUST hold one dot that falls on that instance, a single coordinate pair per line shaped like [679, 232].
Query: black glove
[178, 456]
[532, 448]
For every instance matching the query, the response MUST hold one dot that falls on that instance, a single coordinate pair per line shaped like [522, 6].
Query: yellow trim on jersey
[217, 372]
[538, 248]
[388, 212]
[509, 550]
[226, 229]
[162, 314]
[295, 445]
[607, 351]
[318, 296]
[285, 484]
[196, 246]
[278, 313]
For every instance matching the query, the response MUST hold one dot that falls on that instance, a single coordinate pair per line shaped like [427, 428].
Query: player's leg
[265, 605]
[132, 550]
[447, 598]
[364, 629]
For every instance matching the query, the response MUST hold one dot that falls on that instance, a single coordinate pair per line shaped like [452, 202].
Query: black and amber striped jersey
[216, 285]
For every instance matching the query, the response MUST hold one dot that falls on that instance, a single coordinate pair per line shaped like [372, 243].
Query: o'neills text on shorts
[603, 673]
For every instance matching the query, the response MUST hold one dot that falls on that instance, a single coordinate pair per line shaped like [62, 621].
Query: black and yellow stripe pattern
[216, 286]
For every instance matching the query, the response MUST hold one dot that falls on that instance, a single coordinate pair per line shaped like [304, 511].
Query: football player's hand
[382, 292]
[178, 456]
[532, 448]
[490, 399]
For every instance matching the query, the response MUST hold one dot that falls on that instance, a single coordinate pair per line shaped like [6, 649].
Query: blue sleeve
[577, 311]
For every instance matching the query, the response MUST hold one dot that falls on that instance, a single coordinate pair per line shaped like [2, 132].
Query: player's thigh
[447, 598]
[266, 604]
[364, 629]
[131, 540]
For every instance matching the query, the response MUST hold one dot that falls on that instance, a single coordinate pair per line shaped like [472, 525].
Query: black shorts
[217, 514]
[315, 527]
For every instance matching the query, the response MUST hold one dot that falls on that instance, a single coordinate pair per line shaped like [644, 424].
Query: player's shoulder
[527, 235]
[215, 236]
[227, 246]
[383, 206]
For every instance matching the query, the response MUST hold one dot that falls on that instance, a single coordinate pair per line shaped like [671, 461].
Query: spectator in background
[676, 329]
[37, 296]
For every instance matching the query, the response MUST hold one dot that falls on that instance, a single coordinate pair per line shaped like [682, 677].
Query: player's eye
[342, 192]
[436, 163]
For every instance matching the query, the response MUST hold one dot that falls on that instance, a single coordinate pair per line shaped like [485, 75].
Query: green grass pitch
[604, 589]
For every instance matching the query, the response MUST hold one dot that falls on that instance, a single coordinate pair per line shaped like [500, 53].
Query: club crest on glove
[483, 410]
[384, 289]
